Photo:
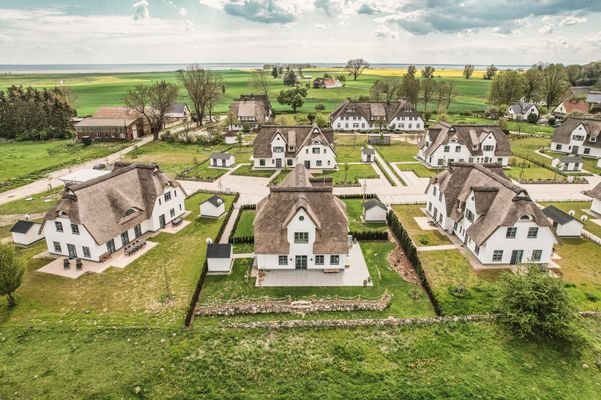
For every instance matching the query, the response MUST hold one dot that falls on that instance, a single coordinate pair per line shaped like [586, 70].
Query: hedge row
[369, 235]
[241, 239]
[411, 252]
[357, 196]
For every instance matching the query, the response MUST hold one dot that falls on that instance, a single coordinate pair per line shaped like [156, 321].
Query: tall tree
[410, 89]
[507, 87]
[555, 83]
[293, 97]
[491, 71]
[428, 88]
[411, 70]
[201, 87]
[428, 71]
[260, 83]
[356, 66]
[12, 269]
[533, 84]
[386, 89]
[274, 72]
[468, 70]
[153, 102]
[290, 78]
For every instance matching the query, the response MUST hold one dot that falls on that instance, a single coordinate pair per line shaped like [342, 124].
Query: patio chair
[78, 264]
[66, 263]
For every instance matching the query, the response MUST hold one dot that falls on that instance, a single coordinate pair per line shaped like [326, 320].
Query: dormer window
[592, 139]
[130, 211]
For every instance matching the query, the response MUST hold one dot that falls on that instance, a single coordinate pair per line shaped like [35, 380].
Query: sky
[380, 31]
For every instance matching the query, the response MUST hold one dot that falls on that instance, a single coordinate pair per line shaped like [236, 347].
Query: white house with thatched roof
[250, 111]
[494, 218]
[301, 225]
[596, 196]
[96, 218]
[578, 136]
[398, 115]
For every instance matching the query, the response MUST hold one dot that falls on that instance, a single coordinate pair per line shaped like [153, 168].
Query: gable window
[488, 147]
[446, 149]
[74, 229]
[319, 260]
[532, 233]
[59, 226]
[86, 252]
[57, 247]
[457, 149]
[301, 237]
[497, 256]
[536, 255]
[167, 196]
[511, 232]
[469, 215]
[315, 150]
[282, 260]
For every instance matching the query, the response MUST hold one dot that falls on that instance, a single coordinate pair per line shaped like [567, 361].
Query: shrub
[532, 118]
[551, 121]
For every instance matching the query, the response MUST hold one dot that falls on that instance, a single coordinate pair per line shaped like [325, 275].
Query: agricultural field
[95, 90]
[24, 162]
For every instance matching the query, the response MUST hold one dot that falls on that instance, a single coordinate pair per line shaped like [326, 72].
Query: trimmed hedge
[369, 235]
[357, 196]
[196, 294]
[241, 239]
[411, 252]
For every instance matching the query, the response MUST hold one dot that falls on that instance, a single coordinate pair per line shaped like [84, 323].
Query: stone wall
[298, 306]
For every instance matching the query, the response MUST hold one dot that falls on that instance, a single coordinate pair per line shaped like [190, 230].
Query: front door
[300, 262]
[162, 220]
[575, 149]
[308, 164]
[72, 251]
[110, 246]
[278, 163]
[516, 257]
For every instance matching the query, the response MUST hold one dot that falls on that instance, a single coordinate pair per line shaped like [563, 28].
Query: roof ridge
[113, 173]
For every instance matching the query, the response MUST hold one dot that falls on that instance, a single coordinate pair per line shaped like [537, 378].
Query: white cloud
[82, 48]
[141, 10]
[385, 32]
[569, 21]
[322, 26]
[183, 12]
[546, 29]
[5, 39]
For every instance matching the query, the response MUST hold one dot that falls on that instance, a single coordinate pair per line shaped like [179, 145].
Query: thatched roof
[499, 203]
[592, 128]
[293, 135]
[374, 110]
[252, 105]
[296, 192]
[596, 192]
[469, 135]
[104, 205]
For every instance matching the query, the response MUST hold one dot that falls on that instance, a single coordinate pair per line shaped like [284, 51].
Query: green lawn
[348, 153]
[245, 223]
[526, 147]
[24, 162]
[354, 139]
[352, 176]
[523, 171]
[577, 207]
[406, 214]
[280, 177]
[513, 126]
[134, 295]
[408, 299]
[458, 287]
[39, 203]
[354, 211]
[419, 169]
[247, 170]
[398, 152]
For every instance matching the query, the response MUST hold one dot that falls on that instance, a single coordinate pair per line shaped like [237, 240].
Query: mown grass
[418, 169]
[247, 170]
[39, 203]
[352, 176]
[245, 223]
[354, 212]
[134, 295]
[465, 361]
[348, 153]
[512, 126]
[24, 162]
[398, 152]
[523, 170]
[406, 214]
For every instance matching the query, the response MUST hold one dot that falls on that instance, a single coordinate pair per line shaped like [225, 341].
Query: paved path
[230, 224]
[41, 185]
[384, 165]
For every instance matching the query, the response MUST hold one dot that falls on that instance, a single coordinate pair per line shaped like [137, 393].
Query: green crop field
[95, 90]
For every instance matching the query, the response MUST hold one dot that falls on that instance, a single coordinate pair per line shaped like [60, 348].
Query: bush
[551, 121]
[533, 118]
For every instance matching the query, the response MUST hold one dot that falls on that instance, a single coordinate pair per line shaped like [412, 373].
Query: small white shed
[25, 233]
[568, 163]
[368, 155]
[374, 211]
[222, 160]
[231, 137]
[565, 225]
[213, 207]
[219, 257]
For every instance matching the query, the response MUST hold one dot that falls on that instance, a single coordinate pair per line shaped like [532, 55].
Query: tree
[533, 304]
[491, 71]
[320, 107]
[274, 72]
[153, 102]
[468, 70]
[203, 88]
[507, 87]
[355, 67]
[409, 88]
[387, 88]
[12, 269]
[533, 87]
[293, 97]
[411, 70]
[345, 167]
[428, 72]
[341, 78]
[428, 88]
[260, 83]
[555, 83]
[290, 78]
[239, 139]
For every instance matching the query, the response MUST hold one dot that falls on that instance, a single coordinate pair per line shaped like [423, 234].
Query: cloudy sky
[386, 31]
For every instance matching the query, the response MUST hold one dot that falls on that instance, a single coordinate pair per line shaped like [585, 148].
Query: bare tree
[428, 88]
[204, 88]
[260, 83]
[355, 67]
[153, 102]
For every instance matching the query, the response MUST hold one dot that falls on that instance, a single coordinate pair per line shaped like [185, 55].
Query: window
[289, 162]
[497, 256]
[160, 201]
[125, 238]
[319, 260]
[477, 250]
[86, 252]
[315, 150]
[59, 226]
[278, 149]
[301, 237]
[74, 229]
[587, 150]
[446, 149]
[488, 147]
[578, 138]
[334, 260]
[138, 230]
[457, 149]
[172, 212]
[469, 215]
[262, 163]
[318, 163]
[536, 255]
[282, 260]
[558, 147]
[175, 193]
[511, 232]
[532, 233]
[167, 196]
[434, 190]
[57, 247]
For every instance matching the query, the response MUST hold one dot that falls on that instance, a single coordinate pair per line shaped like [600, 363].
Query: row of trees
[33, 114]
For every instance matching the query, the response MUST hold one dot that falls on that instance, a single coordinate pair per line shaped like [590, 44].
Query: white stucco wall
[31, 236]
[571, 229]
[209, 210]
[219, 264]
[375, 214]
